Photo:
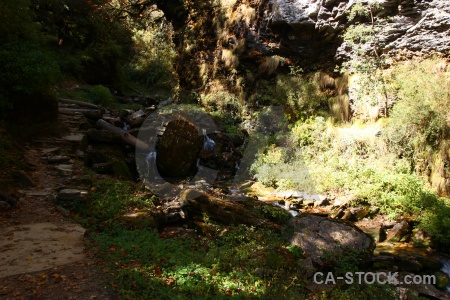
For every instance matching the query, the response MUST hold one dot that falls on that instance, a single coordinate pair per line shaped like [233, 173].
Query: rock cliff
[310, 29]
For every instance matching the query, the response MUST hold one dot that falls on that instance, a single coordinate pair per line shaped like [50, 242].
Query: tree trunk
[79, 103]
[201, 207]
[126, 137]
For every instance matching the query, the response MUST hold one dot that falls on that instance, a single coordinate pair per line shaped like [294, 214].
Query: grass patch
[236, 263]
[97, 94]
[233, 261]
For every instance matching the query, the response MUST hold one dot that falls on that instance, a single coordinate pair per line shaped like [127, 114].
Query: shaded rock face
[305, 26]
[178, 149]
[319, 236]
[311, 29]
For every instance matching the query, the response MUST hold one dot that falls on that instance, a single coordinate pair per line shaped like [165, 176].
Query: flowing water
[208, 144]
[446, 269]
[150, 159]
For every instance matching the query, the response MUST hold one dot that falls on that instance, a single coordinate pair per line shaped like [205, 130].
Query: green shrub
[221, 103]
[419, 118]
[27, 75]
[299, 95]
[100, 95]
[154, 54]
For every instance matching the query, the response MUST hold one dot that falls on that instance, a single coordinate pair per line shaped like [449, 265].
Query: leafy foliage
[364, 40]
[92, 44]
[418, 119]
[27, 71]
[299, 95]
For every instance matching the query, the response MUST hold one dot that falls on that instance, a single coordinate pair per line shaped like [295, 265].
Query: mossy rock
[442, 280]
[111, 158]
[429, 263]
[178, 149]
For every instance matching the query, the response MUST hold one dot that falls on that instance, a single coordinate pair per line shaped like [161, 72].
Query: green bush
[419, 118]
[27, 75]
[100, 95]
[299, 95]
[221, 103]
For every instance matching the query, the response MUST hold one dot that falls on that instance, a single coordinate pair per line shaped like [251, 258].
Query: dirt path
[42, 253]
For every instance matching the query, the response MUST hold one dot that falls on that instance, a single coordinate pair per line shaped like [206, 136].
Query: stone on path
[71, 194]
[77, 137]
[64, 168]
[50, 150]
[39, 246]
[58, 159]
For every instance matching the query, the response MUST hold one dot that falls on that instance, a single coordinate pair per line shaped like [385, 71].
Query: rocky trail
[42, 251]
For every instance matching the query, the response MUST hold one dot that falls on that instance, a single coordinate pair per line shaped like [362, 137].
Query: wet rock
[178, 149]
[399, 231]
[429, 263]
[383, 262]
[318, 235]
[407, 263]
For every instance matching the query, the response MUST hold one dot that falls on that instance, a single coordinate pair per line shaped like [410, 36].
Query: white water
[208, 144]
[446, 269]
[150, 159]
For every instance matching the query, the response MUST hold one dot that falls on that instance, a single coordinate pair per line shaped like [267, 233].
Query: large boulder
[178, 149]
[320, 237]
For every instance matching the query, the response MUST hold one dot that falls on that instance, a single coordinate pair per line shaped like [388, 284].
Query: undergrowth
[178, 263]
[318, 156]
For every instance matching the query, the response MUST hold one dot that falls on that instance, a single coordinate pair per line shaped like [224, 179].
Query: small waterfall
[126, 127]
[150, 159]
[446, 270]
[208, 144]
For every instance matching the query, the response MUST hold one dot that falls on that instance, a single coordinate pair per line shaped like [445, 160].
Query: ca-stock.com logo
[270, 121]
